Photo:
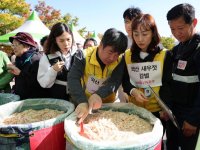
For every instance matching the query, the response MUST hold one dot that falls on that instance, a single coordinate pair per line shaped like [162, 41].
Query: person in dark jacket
[185, 101]
[26, 66]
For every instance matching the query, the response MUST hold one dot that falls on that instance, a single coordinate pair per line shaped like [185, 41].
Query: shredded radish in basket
[112, 125]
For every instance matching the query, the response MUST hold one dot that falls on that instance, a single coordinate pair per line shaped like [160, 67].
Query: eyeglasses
[15, 45]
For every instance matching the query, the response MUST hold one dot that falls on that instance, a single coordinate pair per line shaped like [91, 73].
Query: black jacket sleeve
[194, 117]
[126, 84]
[76, 90]
[165, 90]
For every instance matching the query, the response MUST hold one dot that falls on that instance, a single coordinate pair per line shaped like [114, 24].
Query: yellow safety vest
[93, 68]
[152, 105]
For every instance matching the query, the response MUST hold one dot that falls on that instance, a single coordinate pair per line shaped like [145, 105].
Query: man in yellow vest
[92, 67]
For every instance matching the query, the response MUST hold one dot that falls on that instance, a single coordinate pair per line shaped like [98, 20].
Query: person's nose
[176, 33]
[66, 43]
[129, 26]
[140, 38]
[113, 57]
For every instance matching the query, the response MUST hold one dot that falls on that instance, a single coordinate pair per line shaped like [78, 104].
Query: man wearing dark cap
[26, 66]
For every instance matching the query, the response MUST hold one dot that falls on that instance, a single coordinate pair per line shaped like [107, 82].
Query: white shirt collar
[143, 55]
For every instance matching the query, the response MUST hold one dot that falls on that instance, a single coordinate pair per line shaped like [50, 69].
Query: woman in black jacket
[26, 66]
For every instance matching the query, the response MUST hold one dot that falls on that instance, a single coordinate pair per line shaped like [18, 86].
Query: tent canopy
[77, 37]
[33, 26]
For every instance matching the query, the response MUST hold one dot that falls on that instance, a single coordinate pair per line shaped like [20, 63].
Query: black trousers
[176, 139]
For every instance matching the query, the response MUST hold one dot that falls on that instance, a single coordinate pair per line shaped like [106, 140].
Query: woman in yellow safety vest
[146, 65]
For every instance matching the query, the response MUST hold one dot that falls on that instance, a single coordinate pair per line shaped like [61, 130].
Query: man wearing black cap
[26, 66]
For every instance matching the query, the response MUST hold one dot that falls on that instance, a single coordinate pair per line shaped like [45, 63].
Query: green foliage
[89, 34]
[168, 42]
[82, 31]
[68, 19]
[12, 14]
[48, 14]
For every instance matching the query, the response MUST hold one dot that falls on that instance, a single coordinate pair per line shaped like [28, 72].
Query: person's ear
[194, 22]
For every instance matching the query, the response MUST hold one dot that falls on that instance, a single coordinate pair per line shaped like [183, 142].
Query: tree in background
[68, 19]
[89, 34]
[50, 16]
[168, 42]
[83, 31]
[13, 13]
[100, 35]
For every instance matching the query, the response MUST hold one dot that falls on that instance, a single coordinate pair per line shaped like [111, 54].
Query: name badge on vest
[182, 64]
[145, 73]
[147, 92]
[93, 84]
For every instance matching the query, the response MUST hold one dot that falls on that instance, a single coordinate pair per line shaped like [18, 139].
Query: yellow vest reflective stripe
[152, 105]
[9, 135]
[93, 68]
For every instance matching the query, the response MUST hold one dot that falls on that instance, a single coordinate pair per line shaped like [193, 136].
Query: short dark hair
[147, 22]
[90, 39]
[116, 39]
[184, 10]
[56, 31]
[131, 12]
[43, 39]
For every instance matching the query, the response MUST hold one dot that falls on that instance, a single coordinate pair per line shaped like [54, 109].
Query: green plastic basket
[8, 97]
[24, 131]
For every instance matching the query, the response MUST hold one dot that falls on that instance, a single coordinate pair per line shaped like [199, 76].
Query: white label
[144, 74]
[93, 84]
